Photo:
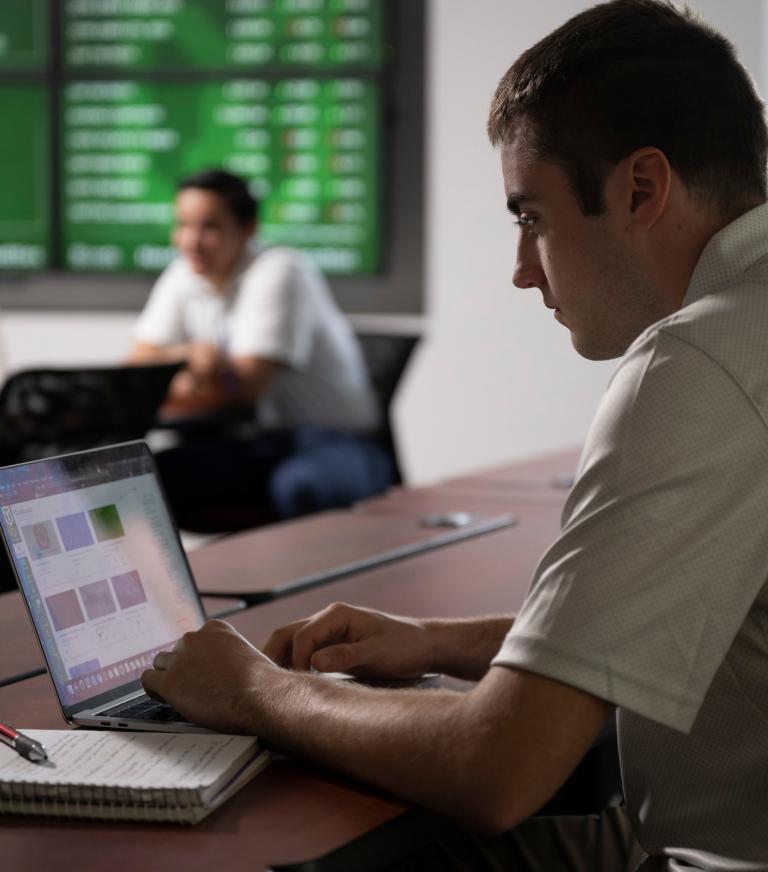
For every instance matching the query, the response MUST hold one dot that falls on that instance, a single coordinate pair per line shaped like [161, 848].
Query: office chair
[44, 412]
[387, 356]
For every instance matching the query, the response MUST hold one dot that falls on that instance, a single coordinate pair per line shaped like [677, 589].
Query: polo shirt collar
[249, 253]
[730, 253]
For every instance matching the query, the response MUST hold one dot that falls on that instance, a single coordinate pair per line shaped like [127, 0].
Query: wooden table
[481, 576]
[283, 559]
[551, 472]
[446, 499]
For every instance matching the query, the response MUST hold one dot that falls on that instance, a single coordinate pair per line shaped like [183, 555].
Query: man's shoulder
[283, 274]
[729, 325]
[280, 257]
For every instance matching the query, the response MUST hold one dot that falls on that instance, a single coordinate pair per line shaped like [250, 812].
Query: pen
[25, 745]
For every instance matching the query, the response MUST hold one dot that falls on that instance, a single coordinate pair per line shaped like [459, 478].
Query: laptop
[107, 585]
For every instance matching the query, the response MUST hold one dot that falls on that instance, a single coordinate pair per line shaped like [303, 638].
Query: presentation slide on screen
[307, 147]
[132, 95]
[105, 578]
[212, 34]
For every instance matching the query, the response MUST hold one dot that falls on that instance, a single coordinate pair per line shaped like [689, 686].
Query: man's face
[587, 268]
[207, 233]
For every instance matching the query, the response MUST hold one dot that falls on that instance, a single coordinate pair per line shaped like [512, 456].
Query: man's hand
[360, 641]
[206, 360]
[207, 383]
[208, 677]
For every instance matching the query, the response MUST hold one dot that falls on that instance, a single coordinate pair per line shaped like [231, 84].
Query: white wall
[498, 378]
[71, 338]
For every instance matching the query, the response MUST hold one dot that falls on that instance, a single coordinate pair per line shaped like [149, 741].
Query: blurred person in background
[256, 327]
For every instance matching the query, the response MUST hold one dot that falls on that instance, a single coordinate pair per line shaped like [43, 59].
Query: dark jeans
[271, 476]
[589, 843]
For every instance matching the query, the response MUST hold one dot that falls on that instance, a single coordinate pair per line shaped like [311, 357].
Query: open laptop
[98, 560]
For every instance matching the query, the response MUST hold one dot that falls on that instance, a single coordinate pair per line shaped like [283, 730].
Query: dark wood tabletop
[490, 574]
[551, 472]
[285, 558]
[447, 499]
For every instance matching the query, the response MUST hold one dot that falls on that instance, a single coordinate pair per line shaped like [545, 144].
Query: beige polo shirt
[654, 597]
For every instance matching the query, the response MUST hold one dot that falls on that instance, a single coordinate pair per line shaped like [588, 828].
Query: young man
[257, 326]
[633, 151]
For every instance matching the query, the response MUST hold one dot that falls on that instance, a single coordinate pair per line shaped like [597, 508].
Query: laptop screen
[100, 564]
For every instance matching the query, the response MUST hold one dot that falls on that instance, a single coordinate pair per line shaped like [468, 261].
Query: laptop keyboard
[145, 709]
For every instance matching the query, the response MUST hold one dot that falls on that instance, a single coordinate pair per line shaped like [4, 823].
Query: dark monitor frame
[396, 289]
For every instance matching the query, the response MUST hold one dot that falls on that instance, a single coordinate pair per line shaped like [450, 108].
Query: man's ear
[648, 177]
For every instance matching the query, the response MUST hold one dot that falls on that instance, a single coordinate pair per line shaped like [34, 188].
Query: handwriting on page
[148, 760]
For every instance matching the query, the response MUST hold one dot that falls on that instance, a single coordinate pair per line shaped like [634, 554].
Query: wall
[497, 378]
[30, 338]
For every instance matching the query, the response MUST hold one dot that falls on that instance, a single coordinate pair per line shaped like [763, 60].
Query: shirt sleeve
[272, 317]
[663, 546]
[161, 321]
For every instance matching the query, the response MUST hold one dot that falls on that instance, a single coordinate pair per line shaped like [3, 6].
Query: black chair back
[386, 356]
[51, 411]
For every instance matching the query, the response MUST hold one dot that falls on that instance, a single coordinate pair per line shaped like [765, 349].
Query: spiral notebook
[170, 777]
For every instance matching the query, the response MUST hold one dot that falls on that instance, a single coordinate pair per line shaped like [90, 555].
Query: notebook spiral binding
[95, 802]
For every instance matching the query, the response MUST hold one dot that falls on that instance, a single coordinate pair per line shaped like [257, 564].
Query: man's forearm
[465, 647]
[490, 756]
[420, 745]
[253, 376]
[145, 352]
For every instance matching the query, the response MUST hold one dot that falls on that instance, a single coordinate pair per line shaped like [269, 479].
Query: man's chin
[591, 351]
[197, 266]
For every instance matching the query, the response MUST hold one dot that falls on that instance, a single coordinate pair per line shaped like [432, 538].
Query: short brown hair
[242, 205]
[633, 73]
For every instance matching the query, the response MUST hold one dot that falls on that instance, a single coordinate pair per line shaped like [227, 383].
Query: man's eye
[525, 221]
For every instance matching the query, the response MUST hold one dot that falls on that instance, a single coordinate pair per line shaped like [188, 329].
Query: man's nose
[191, 238]
[528, 272]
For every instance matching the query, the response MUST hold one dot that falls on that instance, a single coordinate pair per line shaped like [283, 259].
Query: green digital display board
[24, 177]
[215, 34]
[114, 101]
[23, 34]
[307, 147]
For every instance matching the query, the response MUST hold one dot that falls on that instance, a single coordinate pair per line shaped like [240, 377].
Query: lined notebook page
[148, 761]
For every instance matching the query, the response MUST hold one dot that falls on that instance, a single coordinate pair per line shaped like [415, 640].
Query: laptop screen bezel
[140, 447]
